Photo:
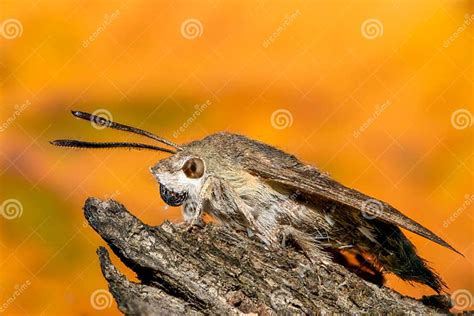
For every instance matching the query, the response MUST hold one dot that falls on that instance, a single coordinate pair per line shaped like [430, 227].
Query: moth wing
[292, 174]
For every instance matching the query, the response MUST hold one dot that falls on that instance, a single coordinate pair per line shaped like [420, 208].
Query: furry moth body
[247, 185]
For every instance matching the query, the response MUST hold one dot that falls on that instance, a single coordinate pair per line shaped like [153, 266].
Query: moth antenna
[122, 127]
[82, 144]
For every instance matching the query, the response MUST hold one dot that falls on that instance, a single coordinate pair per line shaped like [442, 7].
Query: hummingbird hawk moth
[251, 186]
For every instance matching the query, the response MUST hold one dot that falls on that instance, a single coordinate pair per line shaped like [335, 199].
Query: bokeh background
[377, 93]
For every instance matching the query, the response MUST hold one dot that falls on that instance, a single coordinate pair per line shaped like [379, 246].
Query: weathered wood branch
[212, 270]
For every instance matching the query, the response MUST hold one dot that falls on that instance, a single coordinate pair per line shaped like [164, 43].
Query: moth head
[180, 176]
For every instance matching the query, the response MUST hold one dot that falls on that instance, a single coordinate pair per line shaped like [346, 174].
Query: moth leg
[192, 214]
[221, 201]
[290, 235]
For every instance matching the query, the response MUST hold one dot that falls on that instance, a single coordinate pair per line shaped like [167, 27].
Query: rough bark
[213, 270]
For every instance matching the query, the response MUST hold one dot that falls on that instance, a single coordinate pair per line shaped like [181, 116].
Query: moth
[249, 186]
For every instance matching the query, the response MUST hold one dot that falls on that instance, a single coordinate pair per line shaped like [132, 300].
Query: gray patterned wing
[280, 168]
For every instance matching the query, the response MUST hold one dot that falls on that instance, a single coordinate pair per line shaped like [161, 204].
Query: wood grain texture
[213, 270]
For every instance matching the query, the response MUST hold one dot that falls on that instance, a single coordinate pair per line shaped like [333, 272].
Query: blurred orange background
[377, 93]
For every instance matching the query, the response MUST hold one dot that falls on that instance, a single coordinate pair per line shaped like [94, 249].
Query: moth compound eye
[193, 168]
